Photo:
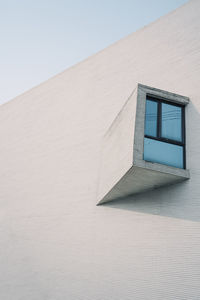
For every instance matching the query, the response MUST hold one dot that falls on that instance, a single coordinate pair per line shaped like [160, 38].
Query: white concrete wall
[55, 243]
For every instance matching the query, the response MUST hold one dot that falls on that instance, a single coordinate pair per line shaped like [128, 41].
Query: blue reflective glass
[171, 122]
[151, 118]
[163, 153]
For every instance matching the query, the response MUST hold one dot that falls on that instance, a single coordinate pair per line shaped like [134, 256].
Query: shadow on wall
[157, 202]
[181, 200]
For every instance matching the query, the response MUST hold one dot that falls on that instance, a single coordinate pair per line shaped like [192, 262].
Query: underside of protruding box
[139, 180]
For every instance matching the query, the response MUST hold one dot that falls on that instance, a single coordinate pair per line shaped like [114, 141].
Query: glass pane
[163, 153]
[171, 122]
[151, 118]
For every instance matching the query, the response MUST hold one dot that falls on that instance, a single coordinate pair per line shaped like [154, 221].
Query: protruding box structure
[123, 170]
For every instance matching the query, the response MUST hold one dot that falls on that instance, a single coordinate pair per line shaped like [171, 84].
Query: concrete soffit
[123, 171]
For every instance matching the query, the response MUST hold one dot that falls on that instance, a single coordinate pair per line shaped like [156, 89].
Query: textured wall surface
[117, 148]
[55, 243]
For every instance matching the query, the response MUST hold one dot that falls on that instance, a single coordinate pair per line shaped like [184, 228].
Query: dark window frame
[159, 125]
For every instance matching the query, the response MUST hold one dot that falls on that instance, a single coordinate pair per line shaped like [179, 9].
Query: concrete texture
[55, 243]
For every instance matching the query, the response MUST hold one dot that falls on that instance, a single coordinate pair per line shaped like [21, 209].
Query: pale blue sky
[40, 38]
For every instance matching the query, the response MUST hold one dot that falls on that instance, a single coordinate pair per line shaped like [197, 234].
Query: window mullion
[183, 135]
[183, 124]
[159, 120]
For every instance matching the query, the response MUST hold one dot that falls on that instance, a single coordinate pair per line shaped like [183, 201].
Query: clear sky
[40, 38]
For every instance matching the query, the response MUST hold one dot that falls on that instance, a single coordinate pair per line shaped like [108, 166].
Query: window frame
[158, 137]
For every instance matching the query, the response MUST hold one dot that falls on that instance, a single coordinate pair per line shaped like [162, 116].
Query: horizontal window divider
[165, 140]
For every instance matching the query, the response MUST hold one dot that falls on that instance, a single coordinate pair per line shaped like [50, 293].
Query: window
[164, 140]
